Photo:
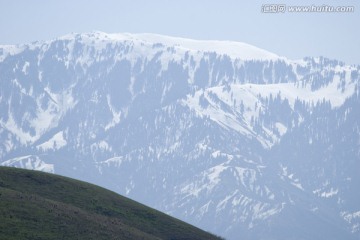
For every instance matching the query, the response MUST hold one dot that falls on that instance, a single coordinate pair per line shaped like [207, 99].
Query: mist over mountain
[226, 136]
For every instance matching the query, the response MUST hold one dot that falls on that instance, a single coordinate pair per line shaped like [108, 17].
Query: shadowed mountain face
[36, 205]
[235, 140]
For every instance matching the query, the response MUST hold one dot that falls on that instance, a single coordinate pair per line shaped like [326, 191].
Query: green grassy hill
[37, 205]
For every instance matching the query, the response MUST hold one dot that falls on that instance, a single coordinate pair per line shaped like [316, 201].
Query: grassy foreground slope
[37, 205]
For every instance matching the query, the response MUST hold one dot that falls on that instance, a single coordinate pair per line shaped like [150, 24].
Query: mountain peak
[233, 49]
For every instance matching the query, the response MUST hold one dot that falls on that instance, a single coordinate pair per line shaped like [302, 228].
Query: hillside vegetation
[37, 205]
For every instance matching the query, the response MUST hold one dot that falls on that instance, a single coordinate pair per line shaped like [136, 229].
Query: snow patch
[353, 219]
[10, 50]
[326, 194]
[55, 142]
[116, 115]
[29, 162]
[114, 161]
[281, 128]
[25, 68]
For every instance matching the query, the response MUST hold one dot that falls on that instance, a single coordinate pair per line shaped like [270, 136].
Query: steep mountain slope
[37, 205]
[229, 137]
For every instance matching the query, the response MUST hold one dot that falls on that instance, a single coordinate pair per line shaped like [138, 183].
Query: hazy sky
[294, 35]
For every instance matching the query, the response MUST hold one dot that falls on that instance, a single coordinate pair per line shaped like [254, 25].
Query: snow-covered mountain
[229, 137]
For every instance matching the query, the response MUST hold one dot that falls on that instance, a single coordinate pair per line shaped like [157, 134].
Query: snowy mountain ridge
[246, 99]
[233, 49]
[224, 135]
